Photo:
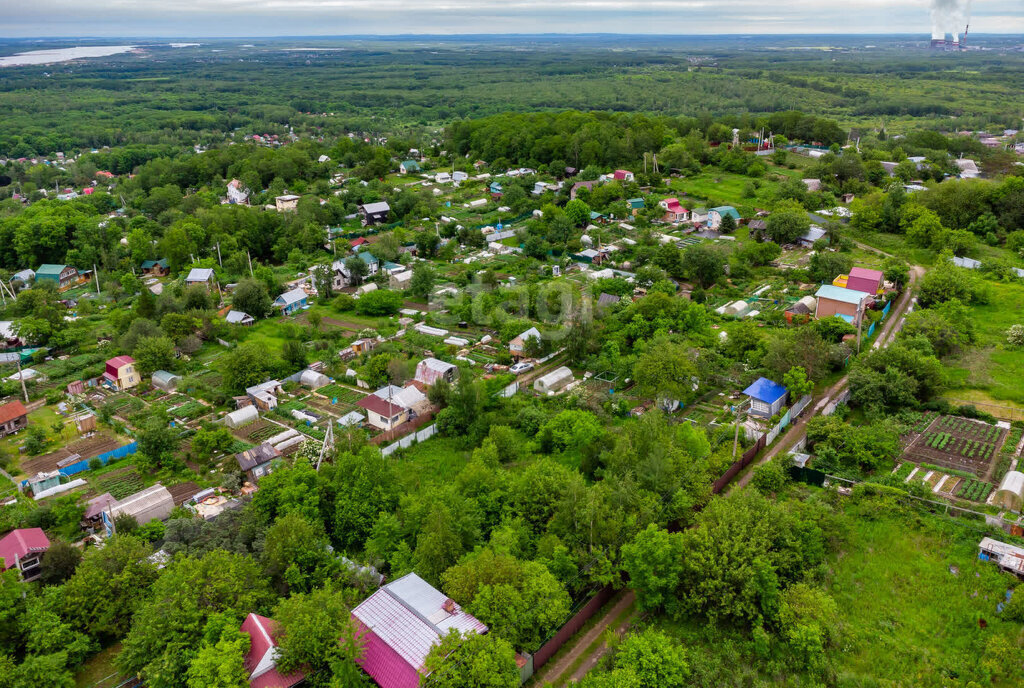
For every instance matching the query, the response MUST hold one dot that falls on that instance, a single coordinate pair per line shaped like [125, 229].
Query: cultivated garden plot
[958, 443]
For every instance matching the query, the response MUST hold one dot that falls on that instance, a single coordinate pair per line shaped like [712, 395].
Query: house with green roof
[715, 215]
[409, 167]
[157, 268]
[371, 261]
[59, 275]
[635, 205]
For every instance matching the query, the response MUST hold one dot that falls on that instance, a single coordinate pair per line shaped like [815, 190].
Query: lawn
[439, 459]
[99, 671]
[990, 366]
[905, 619]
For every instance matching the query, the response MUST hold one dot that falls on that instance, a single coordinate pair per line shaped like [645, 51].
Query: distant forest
[195, 95]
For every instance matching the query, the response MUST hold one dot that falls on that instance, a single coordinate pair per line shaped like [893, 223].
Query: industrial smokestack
[948, 16]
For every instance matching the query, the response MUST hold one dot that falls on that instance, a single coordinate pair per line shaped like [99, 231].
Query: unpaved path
[553, 671]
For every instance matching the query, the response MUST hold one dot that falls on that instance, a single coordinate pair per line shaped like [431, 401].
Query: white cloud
[346, 17]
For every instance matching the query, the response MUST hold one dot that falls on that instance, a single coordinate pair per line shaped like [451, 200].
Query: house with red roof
[865, 280]
[121, 374]
[358, 241]
[623, 176]
[674, 211]
[400, 623]
[23, 549]
[13, 417]
[261, 659]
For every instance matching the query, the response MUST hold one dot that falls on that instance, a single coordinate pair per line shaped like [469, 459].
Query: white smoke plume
[949, 17]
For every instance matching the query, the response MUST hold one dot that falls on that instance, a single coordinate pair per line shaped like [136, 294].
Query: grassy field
[906, 619]
[991, 366]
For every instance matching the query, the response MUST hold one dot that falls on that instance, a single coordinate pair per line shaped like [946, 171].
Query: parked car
[520, 368]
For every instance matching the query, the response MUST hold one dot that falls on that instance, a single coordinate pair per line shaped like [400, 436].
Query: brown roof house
[13, 417]
[256, 462]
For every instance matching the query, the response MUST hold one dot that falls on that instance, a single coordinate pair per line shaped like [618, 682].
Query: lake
[37, 57]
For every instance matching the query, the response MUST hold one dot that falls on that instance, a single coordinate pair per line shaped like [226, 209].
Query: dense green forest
[195, 95]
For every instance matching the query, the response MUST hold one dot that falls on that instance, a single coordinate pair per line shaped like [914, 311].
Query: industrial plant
[948, 16]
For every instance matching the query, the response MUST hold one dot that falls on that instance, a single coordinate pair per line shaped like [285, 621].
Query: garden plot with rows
[958, 443]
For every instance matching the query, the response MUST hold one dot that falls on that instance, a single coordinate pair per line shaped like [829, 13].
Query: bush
[770, 477]
[379, 302]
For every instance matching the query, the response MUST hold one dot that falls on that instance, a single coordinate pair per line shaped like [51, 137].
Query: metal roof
[380, 207]
[765, 390]
[290, 297]
[235, 317]
[200, 275]
[828, 291]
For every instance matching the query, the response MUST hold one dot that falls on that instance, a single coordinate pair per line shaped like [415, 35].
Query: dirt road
[798, 430]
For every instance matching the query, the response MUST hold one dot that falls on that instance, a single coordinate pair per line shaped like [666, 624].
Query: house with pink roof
[120, 373]
[865, 280]
[23, 549]
[261, 659]
[674, 211]
[400, 623]
[623, 176]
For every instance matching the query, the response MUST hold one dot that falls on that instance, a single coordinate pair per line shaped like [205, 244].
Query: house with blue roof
[291, 301]
[766, 397]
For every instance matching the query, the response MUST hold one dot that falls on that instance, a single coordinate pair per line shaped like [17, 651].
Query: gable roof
[14, 409]
[636, 203]
[407, 617]
[765, 390]
[382, 407]
[373, 208]
[865, 280]
[257, 456]
[234, 316]
[50, 269]
[261, 659]
[367, 257]
[199, 275]
[163, 263]
[289, 297]
[119, 362]
[605, 299]
[17, 543]
[840, 294]
[724, 210]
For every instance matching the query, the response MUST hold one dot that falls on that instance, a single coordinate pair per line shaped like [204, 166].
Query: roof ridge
[410, 608]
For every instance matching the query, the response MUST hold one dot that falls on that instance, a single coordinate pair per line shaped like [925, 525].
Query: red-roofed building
[623, 176]
[23, 549]
[358, 241]
[383, 414]
[865, 280]
[400, 623]
[674, 211]
[261, 659]
[13, 417]
[121, 374]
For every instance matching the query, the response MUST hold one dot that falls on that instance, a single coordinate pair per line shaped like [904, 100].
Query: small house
[443, 177]
[59, 275]
[553, 381]
[865, 280]
[635, 205]
[674, 211]
[844, 303]
[13, 417]
[8, 337]
[291, 301]
[409, 167]
[287, 203]
[383, 414]
[237, 193]
[1009, 558]
[260, 660]
[459, 177]
[715, 216]
[399, 624]
[121, 374]
[264, 395]
[165, 380]
[255, 462]
[341, 276]
[374, 213]
[156, 268]
[518, 346]
[352, 419]
[23, 549]
[623, 176]
[815, 233]
[372, 264]
[766, 397]
[430, 370]
[201, 277]
[152, 503]
[239, 318]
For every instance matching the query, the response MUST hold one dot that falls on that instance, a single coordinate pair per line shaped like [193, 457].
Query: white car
[520, 368]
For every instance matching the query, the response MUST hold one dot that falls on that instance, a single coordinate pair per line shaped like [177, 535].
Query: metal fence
[407, 441]
[569, 629]
[104, 458]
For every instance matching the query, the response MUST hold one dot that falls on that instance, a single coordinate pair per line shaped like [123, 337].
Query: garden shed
[1011, 491]
[553, 381]
[242, 416]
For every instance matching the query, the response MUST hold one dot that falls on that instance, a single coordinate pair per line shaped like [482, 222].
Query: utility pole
[250, 263]
[21, 377]
[736, 435]
[219, 261]
[860, 322]
[96, 274]
[328, 444]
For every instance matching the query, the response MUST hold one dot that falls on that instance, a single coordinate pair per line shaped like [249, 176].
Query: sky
[245, 18]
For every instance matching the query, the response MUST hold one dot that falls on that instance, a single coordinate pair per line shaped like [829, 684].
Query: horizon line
[594, 34]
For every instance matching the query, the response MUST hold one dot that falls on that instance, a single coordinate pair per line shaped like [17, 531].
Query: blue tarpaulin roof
[765, 390]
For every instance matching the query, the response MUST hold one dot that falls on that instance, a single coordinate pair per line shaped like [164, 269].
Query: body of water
[38, 57]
